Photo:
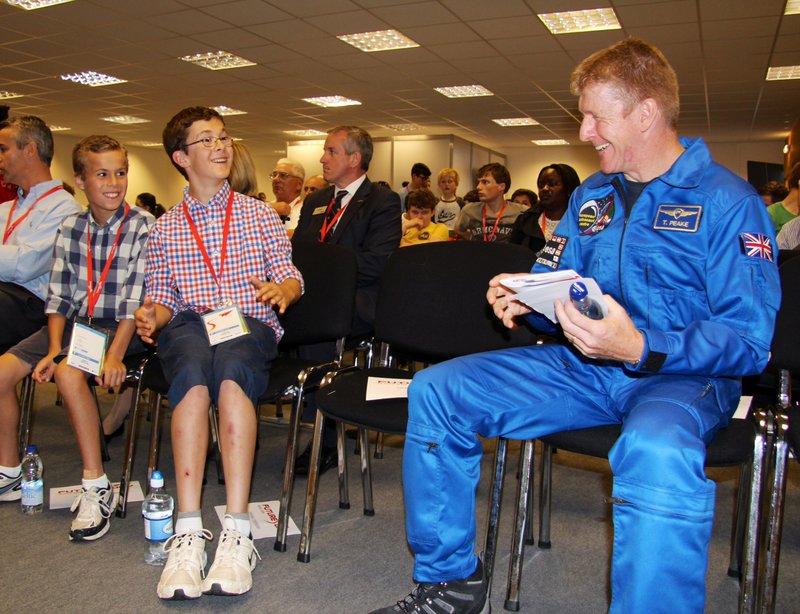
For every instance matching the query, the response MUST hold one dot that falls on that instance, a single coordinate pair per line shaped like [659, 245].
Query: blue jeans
[662, 523]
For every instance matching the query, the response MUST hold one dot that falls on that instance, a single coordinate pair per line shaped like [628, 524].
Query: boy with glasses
[218, 266]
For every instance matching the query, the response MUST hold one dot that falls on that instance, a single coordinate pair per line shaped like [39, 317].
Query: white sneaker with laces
[95, 507]
[231, 573]
[10, 487]
[183, 574]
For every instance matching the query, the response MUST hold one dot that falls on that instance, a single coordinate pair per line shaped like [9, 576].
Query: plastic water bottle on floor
[158, 528]
[32, 483]
[579, 296]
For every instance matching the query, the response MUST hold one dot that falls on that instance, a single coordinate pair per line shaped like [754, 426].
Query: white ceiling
[721, 50]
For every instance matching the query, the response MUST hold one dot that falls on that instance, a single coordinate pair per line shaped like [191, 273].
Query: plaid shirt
[124, 287]
[177, 276]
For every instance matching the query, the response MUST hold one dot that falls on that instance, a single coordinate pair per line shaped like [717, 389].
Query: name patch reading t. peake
[683, 218]
[595, 215]
[550, 254]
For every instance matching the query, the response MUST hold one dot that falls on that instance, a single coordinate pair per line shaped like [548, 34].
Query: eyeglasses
[210, 142]
[282, 176]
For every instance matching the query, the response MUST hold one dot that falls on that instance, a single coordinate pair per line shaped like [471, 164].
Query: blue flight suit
[691, 262]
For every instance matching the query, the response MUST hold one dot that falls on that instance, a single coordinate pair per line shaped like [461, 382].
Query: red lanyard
[496, 223]
[544, 224]
[95, 290]
[10, 228]
[201, 245]
[328, 227]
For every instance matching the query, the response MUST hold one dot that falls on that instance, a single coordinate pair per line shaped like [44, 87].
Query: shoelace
[419, 594]
[88, 501]
[228, 542]
[182, 542]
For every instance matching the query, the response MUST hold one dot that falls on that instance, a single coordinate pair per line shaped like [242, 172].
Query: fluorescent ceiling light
[223, 110]
[548, 142]
[332, 101]
[59, 128]
[382, 40]
[8, 95]
[29, 5]
[144, 143]
[404, 127]
[792, 7]
[217, 60]
[516, 121]
[463, 91]
[125, 119]
[590, 20]
[305, 132]
[92, 79]
[780, 73]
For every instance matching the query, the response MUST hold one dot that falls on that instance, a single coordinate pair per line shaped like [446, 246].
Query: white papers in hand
[539, 291]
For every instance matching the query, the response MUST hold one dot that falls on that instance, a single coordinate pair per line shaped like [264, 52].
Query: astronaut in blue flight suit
[682, 249]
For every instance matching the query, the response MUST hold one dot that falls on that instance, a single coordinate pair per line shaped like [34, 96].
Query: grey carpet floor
[358, 563]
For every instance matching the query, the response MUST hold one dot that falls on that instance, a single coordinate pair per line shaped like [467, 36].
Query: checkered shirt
[123, 289]
[177, 276]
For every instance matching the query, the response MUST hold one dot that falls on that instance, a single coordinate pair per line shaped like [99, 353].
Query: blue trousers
[665, 503]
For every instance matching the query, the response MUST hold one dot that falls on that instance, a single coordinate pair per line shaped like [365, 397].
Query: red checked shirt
[177, 276]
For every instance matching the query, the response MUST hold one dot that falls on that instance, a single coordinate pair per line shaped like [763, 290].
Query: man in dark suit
[358, 214]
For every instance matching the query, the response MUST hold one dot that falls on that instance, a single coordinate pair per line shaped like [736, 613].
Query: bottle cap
[156, 480]
[578, 291]
[31, 449]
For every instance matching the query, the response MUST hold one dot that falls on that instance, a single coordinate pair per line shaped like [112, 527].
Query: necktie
[330, 217]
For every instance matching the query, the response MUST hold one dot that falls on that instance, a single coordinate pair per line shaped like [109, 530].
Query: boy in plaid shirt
[96, 284]
[218, 267]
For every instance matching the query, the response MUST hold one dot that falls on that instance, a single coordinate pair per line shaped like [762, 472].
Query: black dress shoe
[116, 433]
[328, 459]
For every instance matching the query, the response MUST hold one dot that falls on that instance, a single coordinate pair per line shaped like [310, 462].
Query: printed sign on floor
[62, 497]
[263, 519]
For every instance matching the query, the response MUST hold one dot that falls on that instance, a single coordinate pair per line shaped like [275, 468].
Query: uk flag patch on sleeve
[756, 245]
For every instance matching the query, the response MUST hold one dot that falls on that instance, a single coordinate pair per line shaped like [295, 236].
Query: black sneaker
[456, 597]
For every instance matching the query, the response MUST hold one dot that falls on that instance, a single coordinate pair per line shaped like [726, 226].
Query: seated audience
[789, 207]
[772, 192]
[287, 185]
[449, 205]
[314, 183]
[420, 177]
[85, 300]
[147, 202]
[417, 225]
[492, 218]
[524, 197]
[217, 334]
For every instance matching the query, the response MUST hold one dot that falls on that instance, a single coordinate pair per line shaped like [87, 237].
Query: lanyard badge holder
[226, 322]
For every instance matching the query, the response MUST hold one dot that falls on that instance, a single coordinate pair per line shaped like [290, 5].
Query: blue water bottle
[158, 528]
[579, 296]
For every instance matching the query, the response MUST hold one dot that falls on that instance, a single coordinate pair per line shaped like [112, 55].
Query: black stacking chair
[444, 285]
[785, 423]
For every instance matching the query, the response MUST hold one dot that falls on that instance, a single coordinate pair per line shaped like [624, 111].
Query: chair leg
[529, 538]
[103, 444]
[366, 473]
[545, 485]
[341, 466]
[379, 446]
[130, 449]
[26, 403]
[739, 522]
[493, 513]
[288, 472]
[748, 585]
[768, 580]
[304, 552]
[155, 437]
[215, 441]
[520, 522]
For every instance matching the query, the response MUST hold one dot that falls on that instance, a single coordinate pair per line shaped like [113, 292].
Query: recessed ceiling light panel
[223, 110]
[332, 101]
[590, 20]
[382, 40]
[125, 119]
[29, 5]
[781, 73]
[305, 132]
[516, 121]
[144, 143]
[404, 127]
[217, 60]
[792, 7]
[463, 91]
[59, 128]
[549, 142]
[92, 78]
[8, 95]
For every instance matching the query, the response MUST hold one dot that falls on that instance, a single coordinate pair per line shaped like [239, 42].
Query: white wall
[149, 171]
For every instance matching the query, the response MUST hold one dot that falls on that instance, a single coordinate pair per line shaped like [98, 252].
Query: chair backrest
[325, 311]
[432, 300]
[785, 343]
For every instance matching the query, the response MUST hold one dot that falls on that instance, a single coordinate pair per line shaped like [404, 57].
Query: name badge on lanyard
[87, 349]
[224, 324]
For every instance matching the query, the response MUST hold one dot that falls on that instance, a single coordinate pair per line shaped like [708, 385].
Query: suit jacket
[370, 226]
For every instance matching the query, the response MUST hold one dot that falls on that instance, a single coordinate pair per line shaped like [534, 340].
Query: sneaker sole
[178, 595]
[216, 589]
[11, 495]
